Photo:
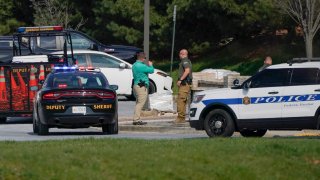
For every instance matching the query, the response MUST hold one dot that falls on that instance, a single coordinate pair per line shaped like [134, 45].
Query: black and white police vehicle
[282, 97]
[75, 98]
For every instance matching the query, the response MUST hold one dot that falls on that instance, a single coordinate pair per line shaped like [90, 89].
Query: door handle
[317, 90]
[273, 92]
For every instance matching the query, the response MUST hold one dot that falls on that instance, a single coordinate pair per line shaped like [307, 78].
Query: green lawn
[229, 158]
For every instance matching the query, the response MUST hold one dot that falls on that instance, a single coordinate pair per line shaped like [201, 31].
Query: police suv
[282, 97]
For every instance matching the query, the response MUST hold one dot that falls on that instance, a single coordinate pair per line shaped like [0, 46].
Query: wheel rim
[217, 124]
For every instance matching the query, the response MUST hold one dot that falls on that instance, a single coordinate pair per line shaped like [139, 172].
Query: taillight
[50, 95]
[106, 95]
[61, 94]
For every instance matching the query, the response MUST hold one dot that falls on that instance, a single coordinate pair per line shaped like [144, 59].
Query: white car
[119, 72]
[284, 96]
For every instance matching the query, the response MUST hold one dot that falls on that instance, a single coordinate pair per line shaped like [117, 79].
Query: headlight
[162, 74]
[198, 98]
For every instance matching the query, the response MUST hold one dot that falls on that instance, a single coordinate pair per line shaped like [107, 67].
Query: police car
[75, 98]
[282, 97]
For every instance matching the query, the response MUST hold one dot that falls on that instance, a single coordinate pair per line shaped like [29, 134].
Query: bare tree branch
[305, 13]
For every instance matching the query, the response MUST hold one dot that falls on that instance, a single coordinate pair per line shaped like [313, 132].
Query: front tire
[253, 133]
[219, 123]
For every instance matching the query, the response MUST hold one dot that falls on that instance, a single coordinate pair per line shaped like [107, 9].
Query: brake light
[50, 95]
[62, 85]
[99, 94]
[106, 95]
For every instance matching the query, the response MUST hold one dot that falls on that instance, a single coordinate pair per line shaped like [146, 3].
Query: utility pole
[146, 28]
[146, 33]
[173, 36]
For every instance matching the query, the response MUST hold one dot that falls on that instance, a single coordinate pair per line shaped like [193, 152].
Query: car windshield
[77, 80]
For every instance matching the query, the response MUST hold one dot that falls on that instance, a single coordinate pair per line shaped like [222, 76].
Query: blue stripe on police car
[267, 99]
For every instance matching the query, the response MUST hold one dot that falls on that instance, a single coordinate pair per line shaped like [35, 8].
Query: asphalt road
[23, 132]
[20, 129]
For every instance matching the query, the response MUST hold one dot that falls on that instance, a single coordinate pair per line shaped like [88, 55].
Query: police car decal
[261, 100]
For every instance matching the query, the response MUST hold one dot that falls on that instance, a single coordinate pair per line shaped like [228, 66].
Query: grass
[230, 158]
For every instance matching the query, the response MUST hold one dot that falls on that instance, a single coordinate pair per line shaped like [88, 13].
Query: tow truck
[21, 79]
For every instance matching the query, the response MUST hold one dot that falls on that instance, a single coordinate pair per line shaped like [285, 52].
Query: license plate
[79, 109]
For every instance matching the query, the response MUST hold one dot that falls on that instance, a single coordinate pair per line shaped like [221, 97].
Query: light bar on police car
[39, 28]
[64, 68]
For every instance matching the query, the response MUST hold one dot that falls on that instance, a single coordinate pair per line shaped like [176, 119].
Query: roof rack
[302, 60]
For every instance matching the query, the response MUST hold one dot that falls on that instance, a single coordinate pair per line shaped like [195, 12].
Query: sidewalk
[156, 123]
[163, 123]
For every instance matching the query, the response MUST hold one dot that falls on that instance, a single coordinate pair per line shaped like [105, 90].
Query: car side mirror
[236, 83]
[114, 87]
[94, 47]
[122, 65]
[41, 82]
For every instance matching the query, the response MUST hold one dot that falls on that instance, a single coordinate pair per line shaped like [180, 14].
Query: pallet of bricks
[215, 78]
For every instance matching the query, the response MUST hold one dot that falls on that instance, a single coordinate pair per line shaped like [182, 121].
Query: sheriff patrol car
[76, 98]
[282, 97]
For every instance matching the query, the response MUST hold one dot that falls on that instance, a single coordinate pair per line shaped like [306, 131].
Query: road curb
[130, 118]
[162, 126]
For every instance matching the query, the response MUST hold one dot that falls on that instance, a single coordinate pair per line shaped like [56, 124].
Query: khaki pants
[184, 91]
[141, 97]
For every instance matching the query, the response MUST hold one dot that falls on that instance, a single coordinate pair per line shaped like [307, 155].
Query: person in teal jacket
[140, 71]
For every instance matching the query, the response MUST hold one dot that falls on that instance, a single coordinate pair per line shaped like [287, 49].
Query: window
[304, 76]
[81, 58]
[102, 61]
[6, 44]
[48, 42]
[270, 78]
[80, 42]
[78, 80]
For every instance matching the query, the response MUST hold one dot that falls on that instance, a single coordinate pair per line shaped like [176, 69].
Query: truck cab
[81, 41]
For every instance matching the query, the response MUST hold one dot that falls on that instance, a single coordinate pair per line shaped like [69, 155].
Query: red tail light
[106, 95]
[50, 95]
[99, 94]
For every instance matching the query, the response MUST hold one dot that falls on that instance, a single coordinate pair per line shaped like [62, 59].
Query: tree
[54, 12]
[8, 22]
[305, 13]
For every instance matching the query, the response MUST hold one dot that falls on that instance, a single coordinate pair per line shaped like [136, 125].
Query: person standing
[184, 85]
[266, 63]
[140, 71]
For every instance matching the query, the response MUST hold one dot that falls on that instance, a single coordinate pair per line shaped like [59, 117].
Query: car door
[303, 95]
[117, 72]
[261, 98]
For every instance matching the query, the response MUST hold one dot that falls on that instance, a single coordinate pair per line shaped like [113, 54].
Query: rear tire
[253, 133]
[110, 128]
[34, 122]
[152, 88]
[43, 129]
[219, 123]
[3, 120]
